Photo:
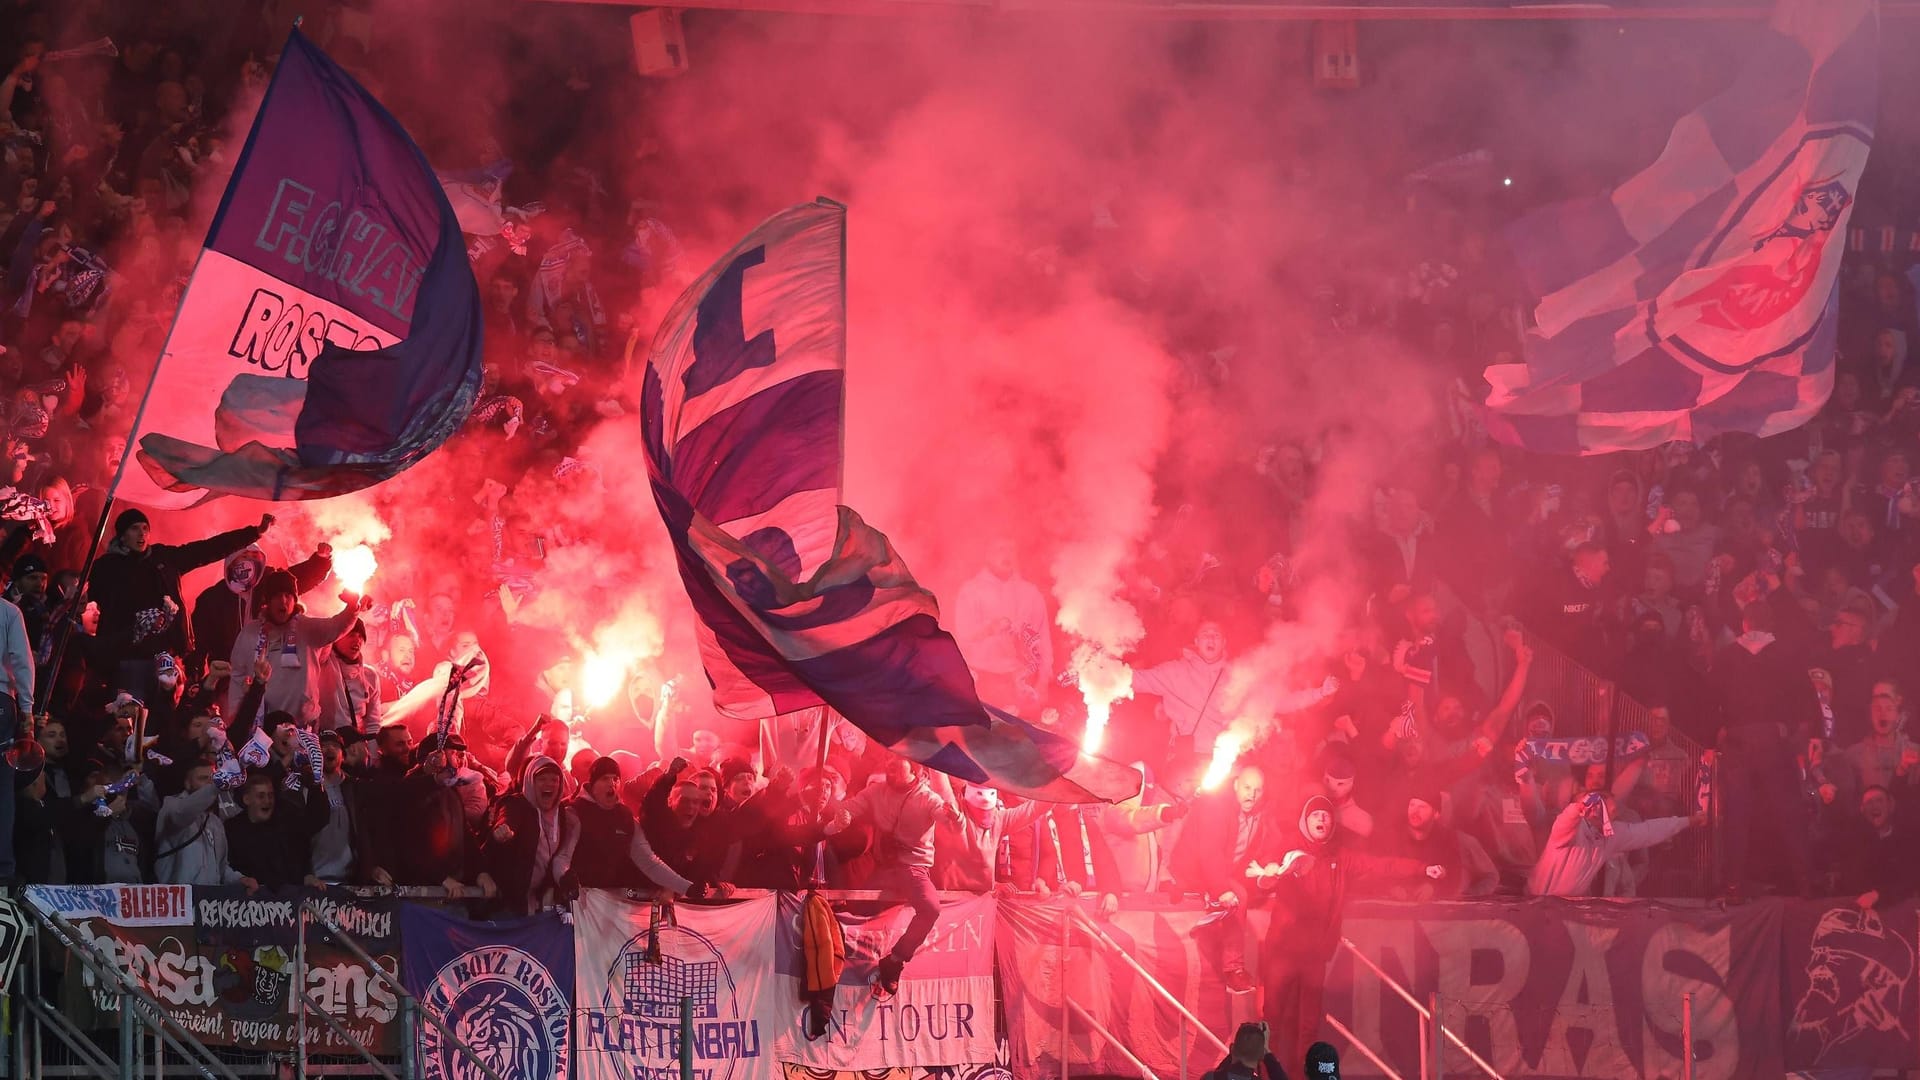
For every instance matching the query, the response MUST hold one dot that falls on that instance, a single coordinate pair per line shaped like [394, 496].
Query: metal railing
[1073, 917]
[138, 1009]
[1432, 1049]
[307, 1003]
[411, 1008]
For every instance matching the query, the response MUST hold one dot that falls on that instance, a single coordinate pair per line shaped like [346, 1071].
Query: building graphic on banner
[1859, 975]
[505, 1005]
[639, 1016]
[656, 986]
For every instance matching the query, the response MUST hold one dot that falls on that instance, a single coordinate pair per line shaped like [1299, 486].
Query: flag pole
[822, 200]
[79, 603]
[826, 711]
[106, 506]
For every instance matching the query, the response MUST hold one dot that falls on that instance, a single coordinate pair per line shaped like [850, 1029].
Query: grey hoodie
[191, 836]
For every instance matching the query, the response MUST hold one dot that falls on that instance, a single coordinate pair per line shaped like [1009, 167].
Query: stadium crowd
[1757, 597]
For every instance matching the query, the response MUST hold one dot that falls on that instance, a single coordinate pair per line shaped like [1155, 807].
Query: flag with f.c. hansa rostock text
[1699, 297]
[799, 602]
[330, 335]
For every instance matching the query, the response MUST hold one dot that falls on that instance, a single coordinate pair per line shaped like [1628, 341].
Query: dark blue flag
[504, 990]
[330, 336]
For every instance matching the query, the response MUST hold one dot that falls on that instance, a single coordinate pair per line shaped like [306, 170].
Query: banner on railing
[222, 963]
[633, 975]
[121, 905]
[1560, 988]
[943, 1014]
[504, 990]
[1033, 971]
[231, 916]
[1851, 999]
[1541, 988]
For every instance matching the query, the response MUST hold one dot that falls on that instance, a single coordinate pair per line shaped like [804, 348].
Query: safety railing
[1433, 1049]
[1075, 918]
[139, 1013]
[1434, 1034]
[411, 1011]
[146, 1041]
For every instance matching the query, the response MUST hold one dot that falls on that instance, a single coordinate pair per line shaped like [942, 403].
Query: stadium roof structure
[1287, 10]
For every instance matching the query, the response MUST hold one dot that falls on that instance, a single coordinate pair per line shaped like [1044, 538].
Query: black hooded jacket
[1312, 894]
[125, 584]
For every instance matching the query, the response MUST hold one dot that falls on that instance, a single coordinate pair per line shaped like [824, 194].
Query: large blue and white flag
[800, 603]
[1699, 296]
[330, 336]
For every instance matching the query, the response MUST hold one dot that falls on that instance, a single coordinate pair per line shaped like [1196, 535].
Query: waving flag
[330, 336]
[800, 602]
[1699, 296]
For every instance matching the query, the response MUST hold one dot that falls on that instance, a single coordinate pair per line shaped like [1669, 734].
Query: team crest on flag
[1759, 299]
[504, 991]
[1698, 297]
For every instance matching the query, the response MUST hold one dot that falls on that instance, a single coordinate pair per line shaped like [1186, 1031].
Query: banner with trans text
[221, 962]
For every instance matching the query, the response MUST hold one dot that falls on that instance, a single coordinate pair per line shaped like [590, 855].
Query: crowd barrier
[1005, 988]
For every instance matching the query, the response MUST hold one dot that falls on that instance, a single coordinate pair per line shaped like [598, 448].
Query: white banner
[121, 905]
[942, 1016]
[630, 981]
[235, 321]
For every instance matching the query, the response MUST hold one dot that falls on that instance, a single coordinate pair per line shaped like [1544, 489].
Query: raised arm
[319, 633]
[1635, 835]
[218, 546]
[1565, 827]
[1501, 715]
[1628, 776]
[308, 573]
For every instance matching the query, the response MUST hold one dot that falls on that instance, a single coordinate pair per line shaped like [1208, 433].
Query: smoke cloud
[1095, 268]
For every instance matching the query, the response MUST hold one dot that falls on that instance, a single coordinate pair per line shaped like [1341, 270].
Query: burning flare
[602, 677]
[1226, 750]
[1104, 679]
[353, 567]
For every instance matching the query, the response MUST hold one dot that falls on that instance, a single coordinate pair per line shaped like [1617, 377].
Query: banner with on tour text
[943, 1014]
